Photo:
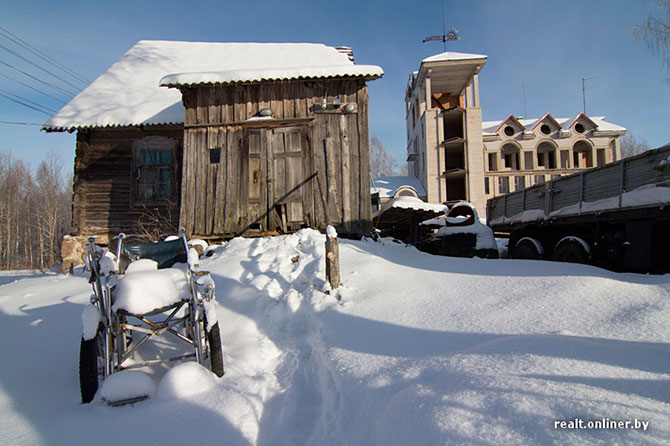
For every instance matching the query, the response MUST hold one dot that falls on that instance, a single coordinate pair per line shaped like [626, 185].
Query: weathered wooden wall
[334, 188]
[103, 176]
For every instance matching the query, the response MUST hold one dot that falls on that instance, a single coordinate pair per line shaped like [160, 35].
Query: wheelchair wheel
[215, 350]
[91, 366]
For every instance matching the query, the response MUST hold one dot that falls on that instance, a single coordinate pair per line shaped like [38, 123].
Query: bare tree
[632, 145]
[52, 217]
[382, 163]
[34, 212]
[15, 185]
[654, 33]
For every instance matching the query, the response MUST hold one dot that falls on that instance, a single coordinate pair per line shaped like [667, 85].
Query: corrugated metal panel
[514, 202]
[601, 183]
[535, 197]
[568, 192]
[643, 171]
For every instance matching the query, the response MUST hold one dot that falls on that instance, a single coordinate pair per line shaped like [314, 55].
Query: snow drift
[419, 350]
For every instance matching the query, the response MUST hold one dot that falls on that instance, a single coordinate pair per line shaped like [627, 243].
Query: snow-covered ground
[419, 350]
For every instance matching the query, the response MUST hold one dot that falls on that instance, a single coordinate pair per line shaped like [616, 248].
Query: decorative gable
[546, 125]
[510, 127]
[581, 124]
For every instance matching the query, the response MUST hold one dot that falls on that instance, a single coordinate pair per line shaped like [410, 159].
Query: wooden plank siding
[103, 183]
[222, 199]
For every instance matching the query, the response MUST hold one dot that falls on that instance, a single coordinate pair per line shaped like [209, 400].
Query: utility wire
[27, 100]
[22, 43]
[32, 88]
[25, 105]
[39, 67]
[56, 87]
[20, 123]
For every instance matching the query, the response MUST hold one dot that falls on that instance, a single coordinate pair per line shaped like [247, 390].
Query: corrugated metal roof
[232, 76]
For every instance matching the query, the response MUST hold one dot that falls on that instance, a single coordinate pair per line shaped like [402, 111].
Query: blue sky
[547, 45]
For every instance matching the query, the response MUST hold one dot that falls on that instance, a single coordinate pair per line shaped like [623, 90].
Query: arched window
[510, 156]
[582, 154]
[546, 155]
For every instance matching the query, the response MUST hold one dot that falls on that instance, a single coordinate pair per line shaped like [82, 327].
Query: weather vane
[446, 36]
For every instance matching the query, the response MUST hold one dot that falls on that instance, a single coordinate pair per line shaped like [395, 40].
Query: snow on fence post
[332, 258]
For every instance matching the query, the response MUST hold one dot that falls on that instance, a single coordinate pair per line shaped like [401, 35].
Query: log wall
[222, 198]
[103, 179]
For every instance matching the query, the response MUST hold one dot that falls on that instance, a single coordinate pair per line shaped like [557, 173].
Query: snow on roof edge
[453, 56]
[260, 75]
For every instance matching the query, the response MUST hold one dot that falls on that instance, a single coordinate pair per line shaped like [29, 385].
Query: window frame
[157, 143]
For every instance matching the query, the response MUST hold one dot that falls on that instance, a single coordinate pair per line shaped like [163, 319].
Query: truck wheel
[528, 248]
[571, 249]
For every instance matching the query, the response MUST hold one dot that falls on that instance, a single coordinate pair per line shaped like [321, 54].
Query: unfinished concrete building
[458, 157]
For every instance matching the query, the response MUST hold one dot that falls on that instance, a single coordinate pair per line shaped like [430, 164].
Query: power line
[25, 105]
[56, 87]
[22, 43]
[39, 67]
[20, 123]
[28, 100]
[32, 88]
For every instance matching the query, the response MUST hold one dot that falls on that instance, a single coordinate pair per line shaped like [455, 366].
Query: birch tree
[654, 33]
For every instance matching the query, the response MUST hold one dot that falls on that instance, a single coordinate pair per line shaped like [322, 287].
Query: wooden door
[278, 161]
[285, 165]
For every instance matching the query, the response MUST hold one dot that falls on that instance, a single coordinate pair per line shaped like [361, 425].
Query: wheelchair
[122, 319]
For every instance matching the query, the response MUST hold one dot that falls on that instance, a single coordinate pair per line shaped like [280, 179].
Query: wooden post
[332, 258]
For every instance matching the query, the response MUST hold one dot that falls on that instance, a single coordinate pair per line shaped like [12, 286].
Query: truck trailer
[616, 216]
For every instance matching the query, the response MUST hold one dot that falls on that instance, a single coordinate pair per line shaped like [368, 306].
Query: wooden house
[223, 139]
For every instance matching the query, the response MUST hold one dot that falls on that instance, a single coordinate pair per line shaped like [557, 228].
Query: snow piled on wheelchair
[145, 289]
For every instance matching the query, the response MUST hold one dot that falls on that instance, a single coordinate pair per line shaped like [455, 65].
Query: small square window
[214, 156]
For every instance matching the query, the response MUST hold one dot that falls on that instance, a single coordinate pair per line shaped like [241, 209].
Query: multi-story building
[458, 157]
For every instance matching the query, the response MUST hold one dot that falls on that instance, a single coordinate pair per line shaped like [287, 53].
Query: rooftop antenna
[446, 36]
[523, 86]
[584, 79]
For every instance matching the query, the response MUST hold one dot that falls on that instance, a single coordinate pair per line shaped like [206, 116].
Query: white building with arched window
[458, 157]
[522, 152]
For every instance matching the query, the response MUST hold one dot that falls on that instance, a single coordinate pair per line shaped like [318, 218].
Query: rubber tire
[215, 350]
[525, 249]
[88, 368]
[570, 251]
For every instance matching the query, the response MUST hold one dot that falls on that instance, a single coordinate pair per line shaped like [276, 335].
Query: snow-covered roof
[490, 127]
[414, 203]
[449, 56]
[286, 73]
[129, 92]
[388, 186]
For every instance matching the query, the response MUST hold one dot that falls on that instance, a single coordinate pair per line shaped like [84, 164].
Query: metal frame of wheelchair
[113, 345]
